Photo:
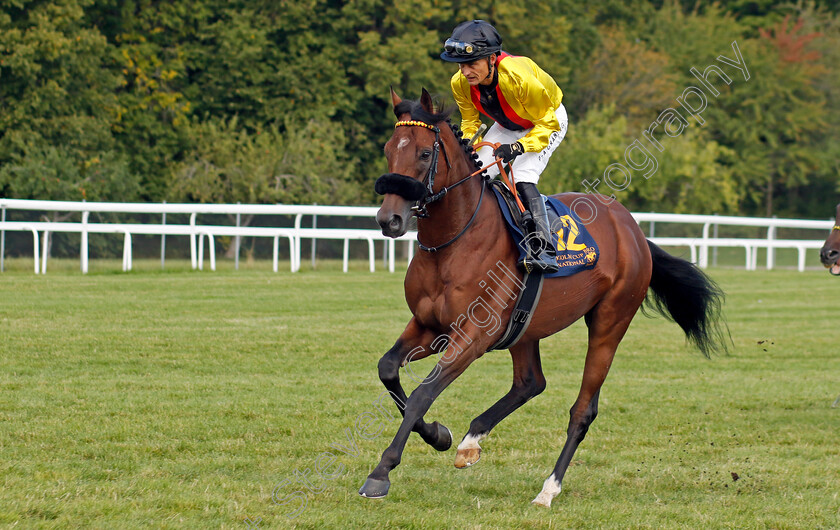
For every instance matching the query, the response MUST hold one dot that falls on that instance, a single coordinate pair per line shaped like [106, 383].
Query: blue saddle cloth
[576, 249]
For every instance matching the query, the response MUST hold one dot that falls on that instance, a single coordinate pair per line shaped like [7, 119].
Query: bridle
[391, 183]
[431, 196]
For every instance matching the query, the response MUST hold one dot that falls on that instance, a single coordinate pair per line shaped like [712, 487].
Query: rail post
[771, 252]
[163, 242]
[2, 239]
[314, 240]
[236, 240]
[84, 250]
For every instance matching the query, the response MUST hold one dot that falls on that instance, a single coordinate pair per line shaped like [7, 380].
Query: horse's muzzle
[829, 257]
[393, 225]
[394, 214]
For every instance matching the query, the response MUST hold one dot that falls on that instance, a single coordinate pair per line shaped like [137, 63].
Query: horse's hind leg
[413, 344]
[528, 381]
[607, 324]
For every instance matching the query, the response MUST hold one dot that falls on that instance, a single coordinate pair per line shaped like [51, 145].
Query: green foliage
[779, 142]
[591, 144]
[691, 178]
[57, 104]
[56, 173]
[827, 83]
[229, 164]
[690, 38]
[776, 120]
[152, 110]
[151, 100]
[625, 73]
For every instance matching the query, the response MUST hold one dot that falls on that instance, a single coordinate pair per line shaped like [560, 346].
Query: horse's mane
[417, 112]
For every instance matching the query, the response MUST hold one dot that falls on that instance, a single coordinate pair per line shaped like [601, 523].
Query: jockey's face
[478, 72]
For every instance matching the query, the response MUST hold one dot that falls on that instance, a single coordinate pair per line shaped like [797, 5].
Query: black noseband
[406, 187]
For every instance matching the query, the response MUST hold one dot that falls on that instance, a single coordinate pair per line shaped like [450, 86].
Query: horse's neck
[448, 217]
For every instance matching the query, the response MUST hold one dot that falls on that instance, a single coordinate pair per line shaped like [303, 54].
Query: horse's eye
[425, 154]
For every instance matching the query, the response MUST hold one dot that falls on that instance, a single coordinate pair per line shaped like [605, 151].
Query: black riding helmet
[470, 41]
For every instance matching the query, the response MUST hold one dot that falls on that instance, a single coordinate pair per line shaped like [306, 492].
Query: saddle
[576, 251]
[575, 248]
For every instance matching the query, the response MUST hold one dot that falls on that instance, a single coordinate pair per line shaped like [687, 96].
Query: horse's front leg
[528, 381]
[450, 366]
[414, 344]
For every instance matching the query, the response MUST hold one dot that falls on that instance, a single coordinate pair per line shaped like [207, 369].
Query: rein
[469, 223]
[420, 207]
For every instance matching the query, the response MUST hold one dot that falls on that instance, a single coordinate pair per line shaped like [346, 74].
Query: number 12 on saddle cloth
[575, 248]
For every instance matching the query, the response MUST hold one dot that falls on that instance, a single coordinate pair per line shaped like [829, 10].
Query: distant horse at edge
[830, 252]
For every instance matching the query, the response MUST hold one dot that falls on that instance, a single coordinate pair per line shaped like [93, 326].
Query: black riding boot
[541, 254]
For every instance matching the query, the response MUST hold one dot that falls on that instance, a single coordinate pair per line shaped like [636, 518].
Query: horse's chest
[439, 295]
[428, 310]
[436, 310]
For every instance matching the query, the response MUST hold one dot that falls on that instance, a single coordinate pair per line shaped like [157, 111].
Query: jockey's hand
[507, 152]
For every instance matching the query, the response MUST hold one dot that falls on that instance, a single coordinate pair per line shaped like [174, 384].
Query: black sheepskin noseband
[406, 187]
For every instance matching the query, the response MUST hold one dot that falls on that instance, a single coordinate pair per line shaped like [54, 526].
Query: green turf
[183, 399]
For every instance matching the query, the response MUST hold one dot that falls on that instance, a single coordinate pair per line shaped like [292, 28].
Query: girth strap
[522, 312]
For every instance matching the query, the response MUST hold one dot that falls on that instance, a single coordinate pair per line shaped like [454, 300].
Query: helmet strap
[489, 67]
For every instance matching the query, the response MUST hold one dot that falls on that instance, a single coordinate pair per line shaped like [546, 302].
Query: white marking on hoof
[471, 442]
[550, 490]
[469, 452]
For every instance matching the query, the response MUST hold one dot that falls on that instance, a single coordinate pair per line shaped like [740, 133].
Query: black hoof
[444, 438]
[375, 489]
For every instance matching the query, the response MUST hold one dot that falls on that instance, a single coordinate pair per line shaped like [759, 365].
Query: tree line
[288, 101]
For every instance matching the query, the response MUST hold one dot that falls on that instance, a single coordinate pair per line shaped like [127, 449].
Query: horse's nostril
[395, 223]
[831, 254]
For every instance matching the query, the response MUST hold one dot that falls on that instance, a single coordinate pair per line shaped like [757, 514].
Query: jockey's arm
[470, 119]
[540, 111]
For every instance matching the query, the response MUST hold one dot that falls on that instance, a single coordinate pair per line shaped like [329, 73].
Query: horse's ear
[426, 102]
[395, 99]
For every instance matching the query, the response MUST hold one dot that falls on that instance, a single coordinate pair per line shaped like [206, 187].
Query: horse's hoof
[374, 489]
[551, 488]
[467, 457]
[542, 500]
[444, 438]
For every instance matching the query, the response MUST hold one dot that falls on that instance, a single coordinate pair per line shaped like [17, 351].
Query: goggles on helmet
[461, 48]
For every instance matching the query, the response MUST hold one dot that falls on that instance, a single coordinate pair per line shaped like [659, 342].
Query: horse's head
[417, 161]
[830, 253]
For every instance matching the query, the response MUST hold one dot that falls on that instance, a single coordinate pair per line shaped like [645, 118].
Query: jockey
[529, 119]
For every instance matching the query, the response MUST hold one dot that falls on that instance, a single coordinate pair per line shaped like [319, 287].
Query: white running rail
[699, 246]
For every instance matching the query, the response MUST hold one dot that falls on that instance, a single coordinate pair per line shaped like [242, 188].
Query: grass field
[192, 399]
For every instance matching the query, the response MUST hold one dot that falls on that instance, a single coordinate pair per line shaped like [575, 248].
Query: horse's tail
[685, 294]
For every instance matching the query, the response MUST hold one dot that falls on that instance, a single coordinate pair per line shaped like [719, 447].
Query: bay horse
[830, 252]
[459, 289]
